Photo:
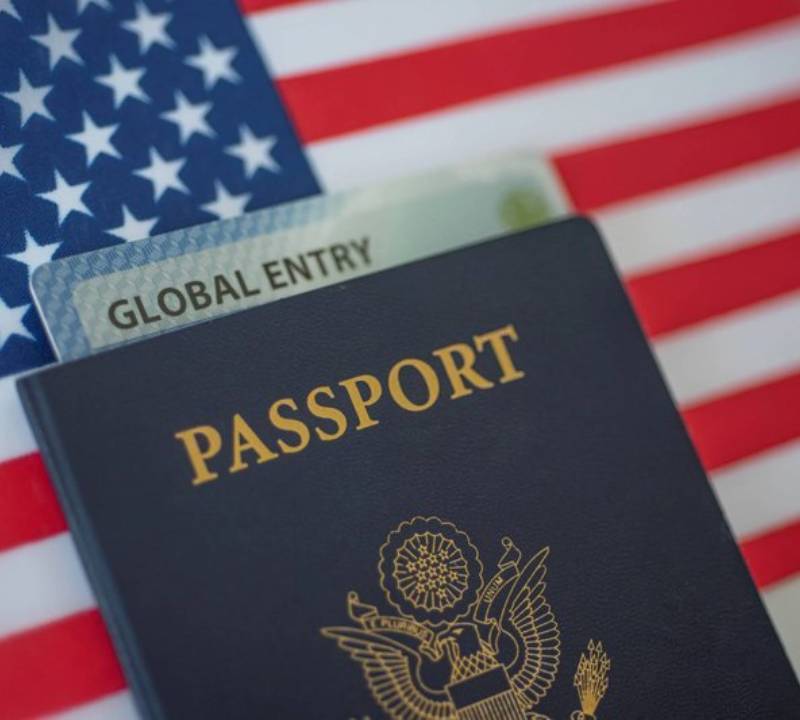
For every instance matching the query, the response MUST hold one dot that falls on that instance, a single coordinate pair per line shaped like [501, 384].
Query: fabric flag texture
[674, 123]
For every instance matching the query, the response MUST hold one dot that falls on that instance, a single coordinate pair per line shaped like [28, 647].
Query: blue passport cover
[456, 490]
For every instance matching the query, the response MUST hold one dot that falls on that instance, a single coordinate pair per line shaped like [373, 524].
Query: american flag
[674, 123]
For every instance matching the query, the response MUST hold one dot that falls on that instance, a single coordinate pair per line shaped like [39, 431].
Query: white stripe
[705, 216]
[783, 601]
[15, 433]
[317, 36]
[118, 706]
[732, 351]
[761, 492]
[632, 98]
[41, 582]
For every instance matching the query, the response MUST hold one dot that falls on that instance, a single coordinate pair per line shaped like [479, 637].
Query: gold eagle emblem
[462, 648]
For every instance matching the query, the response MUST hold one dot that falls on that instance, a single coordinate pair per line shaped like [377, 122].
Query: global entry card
[130, 291]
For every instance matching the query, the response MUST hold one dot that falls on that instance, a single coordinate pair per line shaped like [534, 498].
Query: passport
[453, 490]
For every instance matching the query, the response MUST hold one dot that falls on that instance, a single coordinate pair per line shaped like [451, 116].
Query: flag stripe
[56, 666]
[560, 117]
[341, 33]
[673, 298]
[118, 705]
[690, 221]
[30, 573]
[733, 351]
[252, 6]
[760, 492]
[342, 100]
[782, 602]
[619, 171]
[775, 555]
[16, 438]
[29, 509]
[735, 426]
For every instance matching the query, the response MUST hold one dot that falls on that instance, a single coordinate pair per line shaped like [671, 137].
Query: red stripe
[56, 666]
[734, 426]
[612, 173]
[673, 298]
[773, 556]
[29, 509]
[345, 99]
[254, 6]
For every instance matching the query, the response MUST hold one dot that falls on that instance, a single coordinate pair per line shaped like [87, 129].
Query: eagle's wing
[528, 618]
[387, 668]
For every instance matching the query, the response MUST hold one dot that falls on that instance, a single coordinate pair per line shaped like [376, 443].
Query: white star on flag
[66, 197]
[150, 28]
[255, 152]
[7, 165]
[6, 6]
[189, 117]
[83, 4]
[124, 82]
[224, 204]
[34, 254]
[163, 174]
[95, 139]
[11, 322]
[214, 63]
[132, 228]
[59, 43]
[30, 100]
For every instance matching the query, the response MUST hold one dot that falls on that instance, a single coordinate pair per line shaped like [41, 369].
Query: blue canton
[121, 119]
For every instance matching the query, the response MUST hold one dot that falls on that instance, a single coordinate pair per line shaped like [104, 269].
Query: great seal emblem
[462, 648]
